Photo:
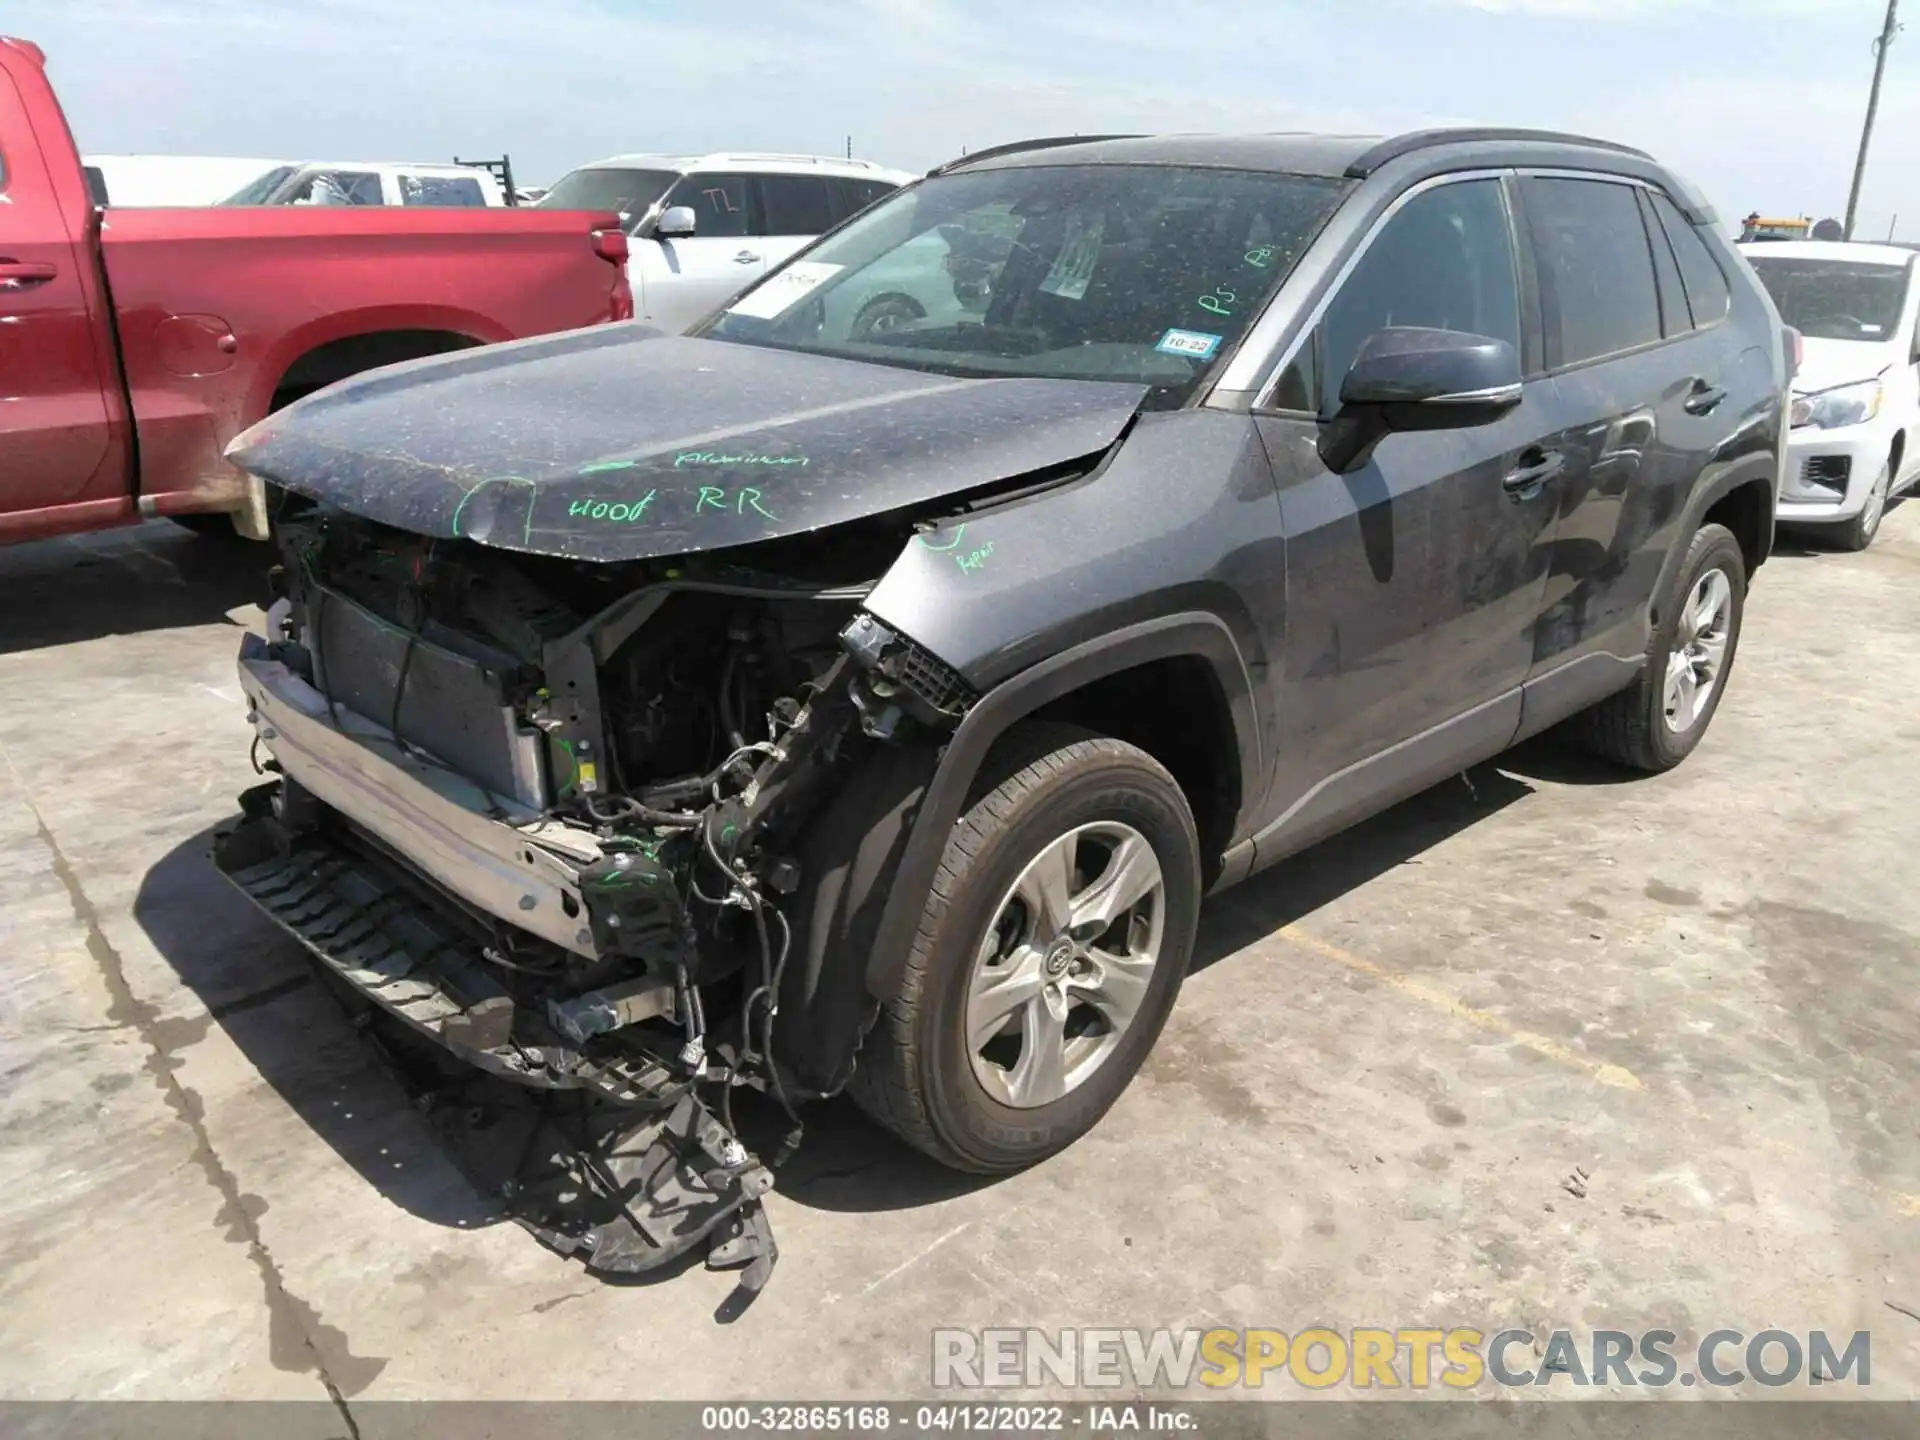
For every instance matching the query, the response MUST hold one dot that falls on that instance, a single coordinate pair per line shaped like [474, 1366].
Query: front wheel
[1049, 954]
[1655, 723]
[1858, 533]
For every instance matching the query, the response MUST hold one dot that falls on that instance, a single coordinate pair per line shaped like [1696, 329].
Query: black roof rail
[1406, 144]
[1016, 146]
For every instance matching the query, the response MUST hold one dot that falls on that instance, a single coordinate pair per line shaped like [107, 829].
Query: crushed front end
[544, 819]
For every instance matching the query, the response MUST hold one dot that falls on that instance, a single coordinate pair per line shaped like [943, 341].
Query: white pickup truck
[357, 182]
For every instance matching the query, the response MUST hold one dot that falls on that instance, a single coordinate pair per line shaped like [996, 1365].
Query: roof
[418, 167]
[1352, 157]
[1855, 252]
[1289, 152]
[1293, 153]
[753, 160]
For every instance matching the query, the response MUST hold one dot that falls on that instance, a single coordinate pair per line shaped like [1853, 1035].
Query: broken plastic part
[600, 1012]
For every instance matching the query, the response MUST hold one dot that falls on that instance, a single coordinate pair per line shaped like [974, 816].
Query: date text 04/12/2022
[948, 1417]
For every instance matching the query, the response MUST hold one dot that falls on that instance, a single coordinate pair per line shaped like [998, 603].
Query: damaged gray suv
[812, 707]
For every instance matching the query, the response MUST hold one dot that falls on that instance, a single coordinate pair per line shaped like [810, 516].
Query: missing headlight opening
[552, 814]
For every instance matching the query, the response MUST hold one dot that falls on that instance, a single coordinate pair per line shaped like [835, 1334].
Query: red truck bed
[134, 344]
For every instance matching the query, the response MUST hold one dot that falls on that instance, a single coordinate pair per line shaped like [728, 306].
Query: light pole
[1873, 104]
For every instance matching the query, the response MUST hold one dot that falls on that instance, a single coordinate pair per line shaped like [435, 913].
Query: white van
[704, 227]
[360, 182]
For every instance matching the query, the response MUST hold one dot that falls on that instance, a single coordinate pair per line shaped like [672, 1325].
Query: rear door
[796, 209]
[1642, 360]
[55, 436]
[1414, 581]
[683, 280]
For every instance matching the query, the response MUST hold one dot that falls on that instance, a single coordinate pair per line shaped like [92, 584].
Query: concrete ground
[1394, 1063]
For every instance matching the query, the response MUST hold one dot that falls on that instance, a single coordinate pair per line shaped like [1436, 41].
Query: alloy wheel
[1876, 505]
[1064, 967]
[1699, 654]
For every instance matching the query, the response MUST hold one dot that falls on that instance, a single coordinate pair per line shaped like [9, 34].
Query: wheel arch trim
[1757, 473]
[1193, 633]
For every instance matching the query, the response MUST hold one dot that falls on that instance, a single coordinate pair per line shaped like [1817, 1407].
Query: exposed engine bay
[551, 816]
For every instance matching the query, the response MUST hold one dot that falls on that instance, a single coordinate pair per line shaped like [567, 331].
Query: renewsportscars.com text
[1370, 1358]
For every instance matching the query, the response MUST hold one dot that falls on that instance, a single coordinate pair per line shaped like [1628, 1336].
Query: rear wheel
[1655, 723]
[1051, 949]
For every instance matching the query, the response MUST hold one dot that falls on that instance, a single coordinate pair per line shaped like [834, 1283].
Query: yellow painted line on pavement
[1615, 1075]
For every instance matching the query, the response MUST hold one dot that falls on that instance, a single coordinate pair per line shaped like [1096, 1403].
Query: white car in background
[361, 182]
[1856, 397]
[703, 227]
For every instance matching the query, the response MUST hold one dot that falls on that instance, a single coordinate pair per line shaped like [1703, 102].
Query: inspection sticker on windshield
[1072, 270]
[785, 290]
[1194, 344]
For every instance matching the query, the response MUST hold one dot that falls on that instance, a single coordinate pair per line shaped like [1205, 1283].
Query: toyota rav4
[807, 707]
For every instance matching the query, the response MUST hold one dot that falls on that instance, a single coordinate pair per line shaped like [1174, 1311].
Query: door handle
[1531, 475]
[1703, 398]
[19, 274]
[745, 257]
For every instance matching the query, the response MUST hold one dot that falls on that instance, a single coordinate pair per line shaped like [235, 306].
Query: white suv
[1856, 397]
[704, 227]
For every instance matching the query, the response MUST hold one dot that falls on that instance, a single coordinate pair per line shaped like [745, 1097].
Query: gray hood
[617, 443]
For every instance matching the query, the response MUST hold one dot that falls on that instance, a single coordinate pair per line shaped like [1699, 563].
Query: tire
[883, 313]
[1634, 728]
[1858, 533]
[1062, 791]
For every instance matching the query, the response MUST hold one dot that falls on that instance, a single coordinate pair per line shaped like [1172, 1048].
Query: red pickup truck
[134, 344]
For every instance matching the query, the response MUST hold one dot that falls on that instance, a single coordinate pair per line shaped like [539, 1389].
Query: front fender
[1186, 634]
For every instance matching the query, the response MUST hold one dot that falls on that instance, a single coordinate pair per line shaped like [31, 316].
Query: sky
[1757, 101]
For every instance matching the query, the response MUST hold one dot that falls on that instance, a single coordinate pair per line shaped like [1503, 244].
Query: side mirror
[1407, 378]
[676, 222]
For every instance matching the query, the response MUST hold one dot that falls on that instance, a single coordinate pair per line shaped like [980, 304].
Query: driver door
[686, 278]
[1414, 581]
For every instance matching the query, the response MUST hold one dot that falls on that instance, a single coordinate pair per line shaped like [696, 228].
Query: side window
[440, 190]
[862, 193]
[797, 205]
[719, 203]
[340, 187]
[1705, 281]
[1444, 261]
[1675, 318]
[1598, 293]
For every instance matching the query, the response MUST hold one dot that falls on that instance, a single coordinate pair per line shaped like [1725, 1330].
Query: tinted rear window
[797, 205]
[862, 193]
[1706, 284]
[1598, 290]
[626, 192]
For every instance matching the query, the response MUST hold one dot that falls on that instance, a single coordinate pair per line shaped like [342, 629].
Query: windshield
[1834, 299]
[256, 190]
[1140, 273]
[631, 193]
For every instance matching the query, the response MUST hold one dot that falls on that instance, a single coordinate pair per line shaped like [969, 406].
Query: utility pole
[1873, 104]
